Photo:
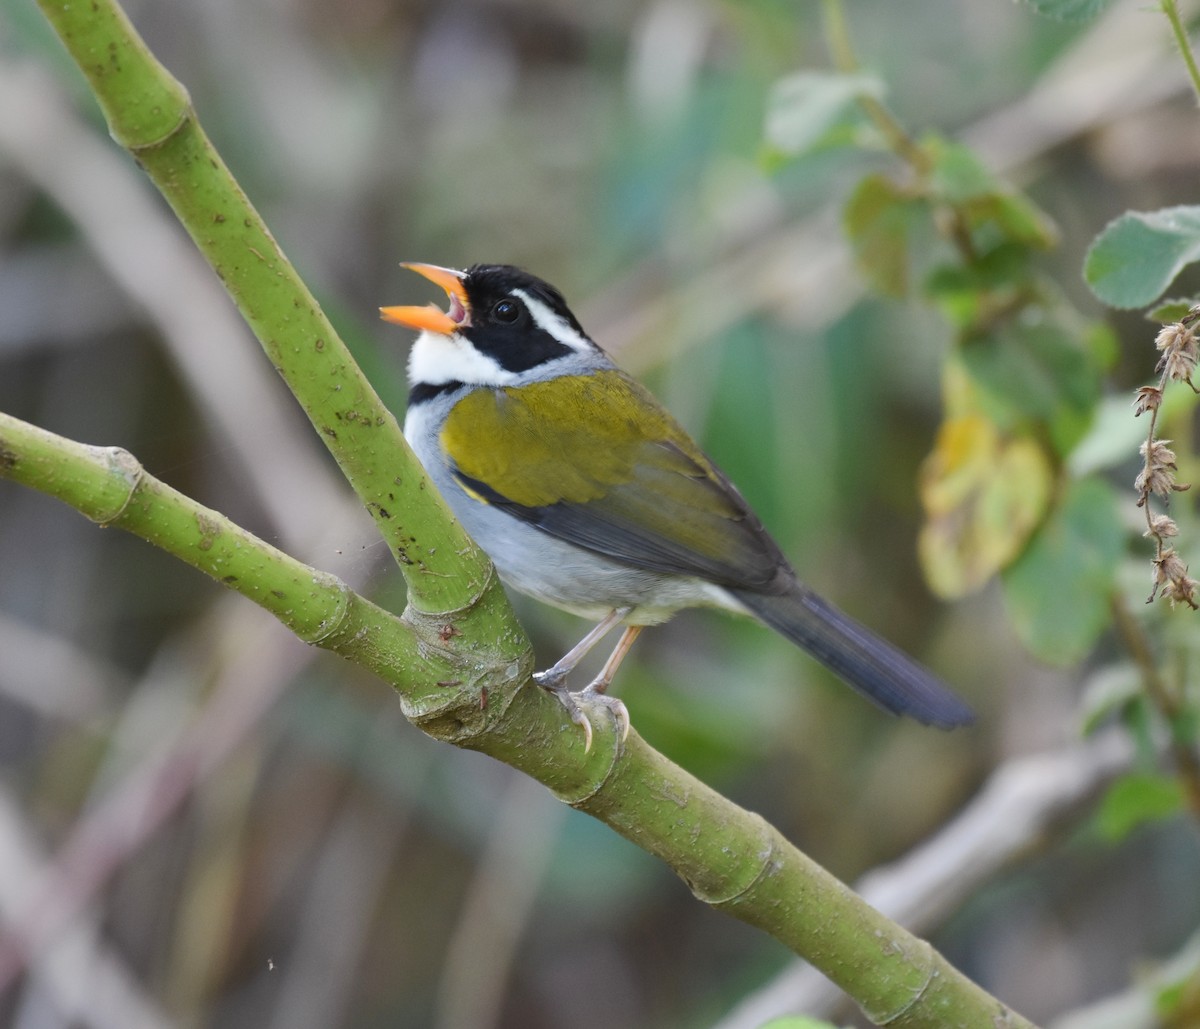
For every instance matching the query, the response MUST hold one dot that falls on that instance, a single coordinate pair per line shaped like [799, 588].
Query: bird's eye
[506, 311]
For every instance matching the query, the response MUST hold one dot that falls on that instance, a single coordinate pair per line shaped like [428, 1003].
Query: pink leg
[604, 679]
[554, 678]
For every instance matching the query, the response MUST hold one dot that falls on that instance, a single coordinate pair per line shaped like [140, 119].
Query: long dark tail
[872, 666]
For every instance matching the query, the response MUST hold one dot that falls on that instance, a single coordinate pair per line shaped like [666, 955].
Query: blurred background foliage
[334, 867]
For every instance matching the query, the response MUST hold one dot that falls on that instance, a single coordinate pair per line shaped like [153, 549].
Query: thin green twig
[1171, 9]
[837, 38]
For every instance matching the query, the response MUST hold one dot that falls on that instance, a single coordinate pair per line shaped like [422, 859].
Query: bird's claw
[590, 693]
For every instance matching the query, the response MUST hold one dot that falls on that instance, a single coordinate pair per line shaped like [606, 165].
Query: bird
[589, 496]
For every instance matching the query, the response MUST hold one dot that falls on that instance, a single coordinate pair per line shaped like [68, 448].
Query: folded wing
[596, 461]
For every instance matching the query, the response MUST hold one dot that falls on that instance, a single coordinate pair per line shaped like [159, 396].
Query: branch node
[445, 618]
[768, 861]
[472, 689]
[186, 114]
[122, 465]
[332, 626]
[931, 973]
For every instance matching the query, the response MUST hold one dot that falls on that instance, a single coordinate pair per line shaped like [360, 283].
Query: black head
[517, 319]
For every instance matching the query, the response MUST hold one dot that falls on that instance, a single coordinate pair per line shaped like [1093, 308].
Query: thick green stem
[150, 114]
[729, 857]
[109, 486]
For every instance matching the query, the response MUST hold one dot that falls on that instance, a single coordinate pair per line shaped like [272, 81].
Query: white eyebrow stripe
[555, 324]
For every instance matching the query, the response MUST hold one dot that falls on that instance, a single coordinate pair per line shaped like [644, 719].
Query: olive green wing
[595, 460]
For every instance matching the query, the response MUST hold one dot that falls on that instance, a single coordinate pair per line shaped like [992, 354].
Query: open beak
[432, 317]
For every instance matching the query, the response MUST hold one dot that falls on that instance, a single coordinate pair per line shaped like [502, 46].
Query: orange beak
[432, 317]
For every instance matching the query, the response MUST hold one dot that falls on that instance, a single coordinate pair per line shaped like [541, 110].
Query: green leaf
[1113, 438]
[1102, 343]
[1058, 592]
[877, 219]
[807, 110]
[1177, 992]
[1169, 311]
[1069, 10]
[1136, 799]
[1036, 372]
[963, 181]
[958, 174]
[1015, 215]
[966, 293]
[1137, 256]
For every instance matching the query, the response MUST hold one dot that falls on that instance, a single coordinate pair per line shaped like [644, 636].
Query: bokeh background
[247, 832]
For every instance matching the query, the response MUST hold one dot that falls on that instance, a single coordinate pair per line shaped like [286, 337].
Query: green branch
[729, 857]
[457, 657]
[837, 39]
[150, 114]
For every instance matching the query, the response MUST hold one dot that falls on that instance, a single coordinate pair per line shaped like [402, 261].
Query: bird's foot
[592, 693]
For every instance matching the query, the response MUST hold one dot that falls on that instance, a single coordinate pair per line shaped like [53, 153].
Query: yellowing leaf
[983, 495]
[877, 218]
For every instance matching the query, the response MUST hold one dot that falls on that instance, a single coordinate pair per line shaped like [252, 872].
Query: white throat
[436, 359]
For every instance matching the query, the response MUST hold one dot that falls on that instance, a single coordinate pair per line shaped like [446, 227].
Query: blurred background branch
[1027, 805]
